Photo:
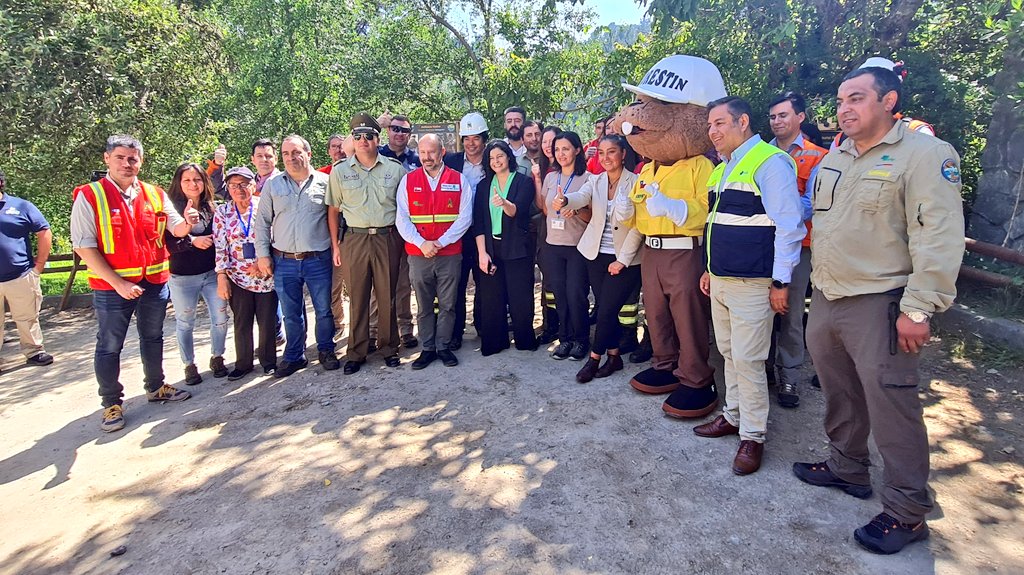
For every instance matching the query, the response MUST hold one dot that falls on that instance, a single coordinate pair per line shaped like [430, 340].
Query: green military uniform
[372, 247]
[888, 236]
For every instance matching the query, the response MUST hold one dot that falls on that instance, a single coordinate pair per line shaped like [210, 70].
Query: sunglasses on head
[368, 137]
[401, 129]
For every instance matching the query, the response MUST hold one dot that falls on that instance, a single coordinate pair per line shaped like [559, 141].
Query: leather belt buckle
[371, 231]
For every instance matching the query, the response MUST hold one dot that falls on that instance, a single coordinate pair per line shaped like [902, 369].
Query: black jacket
[515, 235]
[455, 160]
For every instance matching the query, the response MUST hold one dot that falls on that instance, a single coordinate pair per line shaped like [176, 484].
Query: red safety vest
[806, 158]
[130, 237]
[433, 212]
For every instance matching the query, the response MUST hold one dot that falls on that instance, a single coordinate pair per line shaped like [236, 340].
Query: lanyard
[247, 226]
[561, 190]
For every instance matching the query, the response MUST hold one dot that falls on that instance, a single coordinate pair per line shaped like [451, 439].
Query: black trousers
[611, 292]
[470, 265]
[568, 271]
[508, 292]
[245, 307]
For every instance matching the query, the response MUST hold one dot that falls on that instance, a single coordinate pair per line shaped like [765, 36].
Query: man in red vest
[786, 113]
[435, 207]
[117, 228]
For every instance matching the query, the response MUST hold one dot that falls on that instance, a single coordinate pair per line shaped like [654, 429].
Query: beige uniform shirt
[366, 198]
[889, 218]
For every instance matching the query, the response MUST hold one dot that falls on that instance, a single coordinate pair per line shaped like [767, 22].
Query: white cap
[472, 124]
[682, 80]
[876, 62]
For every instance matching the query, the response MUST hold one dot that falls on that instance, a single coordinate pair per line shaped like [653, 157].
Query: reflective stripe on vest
[156, 202]
[740, 234]
[106, 229]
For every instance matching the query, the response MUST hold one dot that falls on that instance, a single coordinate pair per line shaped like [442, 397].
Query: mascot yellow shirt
[684, 180]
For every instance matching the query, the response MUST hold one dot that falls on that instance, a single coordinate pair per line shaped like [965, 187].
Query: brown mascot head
[668, 121]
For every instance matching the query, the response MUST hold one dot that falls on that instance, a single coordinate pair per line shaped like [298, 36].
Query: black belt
[294, 255]
[372, 231]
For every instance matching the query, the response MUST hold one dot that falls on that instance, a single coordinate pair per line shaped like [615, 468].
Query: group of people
[720, 235]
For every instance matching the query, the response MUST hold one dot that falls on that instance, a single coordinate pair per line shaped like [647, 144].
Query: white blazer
[627, 240]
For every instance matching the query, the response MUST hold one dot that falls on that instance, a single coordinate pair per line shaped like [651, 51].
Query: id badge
[249, 251]
[558, 224]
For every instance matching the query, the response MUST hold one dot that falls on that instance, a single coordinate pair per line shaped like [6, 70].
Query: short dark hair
[401, 118]
[261, 143]
[484, 136]
[580, 163]
[798, 102]
[506, 149]
[335, 137]
[737, 107]
[885, 81]
[516, 109]
[532, 123]
[123, 141]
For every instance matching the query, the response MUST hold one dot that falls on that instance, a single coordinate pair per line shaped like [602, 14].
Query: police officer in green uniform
[364, 188]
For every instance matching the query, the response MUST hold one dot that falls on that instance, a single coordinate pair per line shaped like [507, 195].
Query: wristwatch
[917, 316]
[779, 285]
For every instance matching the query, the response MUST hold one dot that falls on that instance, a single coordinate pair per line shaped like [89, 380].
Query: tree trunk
[998, 212]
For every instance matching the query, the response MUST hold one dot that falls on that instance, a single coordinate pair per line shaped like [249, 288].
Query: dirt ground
[501, 465]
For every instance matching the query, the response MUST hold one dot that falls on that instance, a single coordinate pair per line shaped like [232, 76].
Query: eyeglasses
[238, 187]
[368, 137]
[401, 129]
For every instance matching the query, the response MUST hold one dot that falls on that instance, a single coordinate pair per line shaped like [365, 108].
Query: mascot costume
[669, 205]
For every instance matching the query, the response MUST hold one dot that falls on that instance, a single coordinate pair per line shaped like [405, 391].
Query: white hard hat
[682, 80]
[877, 62]
[472, 124]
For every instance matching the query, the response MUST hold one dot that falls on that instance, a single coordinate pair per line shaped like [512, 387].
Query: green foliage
[187, 75]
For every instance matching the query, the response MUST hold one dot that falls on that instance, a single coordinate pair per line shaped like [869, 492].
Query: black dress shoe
[329, 361]
[352, 367]
[41, 358]
[237, 374]
[372, 346]
[425, 358]
[562, 351]
[392, 361]
[289, 367]
[579, 351]
[455, 344]
[885, 535]
[588, 371]
[410, 341]
[611, 365]
[448, 358]
[819, 475]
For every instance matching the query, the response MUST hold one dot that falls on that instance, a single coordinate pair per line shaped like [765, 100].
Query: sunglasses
[401, 130]
[368, 137]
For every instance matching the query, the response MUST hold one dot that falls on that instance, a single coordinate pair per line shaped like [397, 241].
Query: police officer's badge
[951, 171]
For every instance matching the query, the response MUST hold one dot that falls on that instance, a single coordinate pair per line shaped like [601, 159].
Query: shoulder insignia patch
[951, 171]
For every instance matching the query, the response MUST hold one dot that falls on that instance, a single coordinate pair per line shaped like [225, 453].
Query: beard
[514, 133]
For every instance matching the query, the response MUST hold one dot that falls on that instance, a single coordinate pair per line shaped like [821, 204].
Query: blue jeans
[289, 276]
[113, 314]
[185, 292]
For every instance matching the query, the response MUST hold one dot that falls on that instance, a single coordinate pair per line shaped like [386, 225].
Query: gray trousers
[403, 300]
[870, 391]
[436, 277]
[788, 341]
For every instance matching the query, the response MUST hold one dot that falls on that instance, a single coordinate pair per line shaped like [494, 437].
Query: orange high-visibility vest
[130, 236]
[434, 211]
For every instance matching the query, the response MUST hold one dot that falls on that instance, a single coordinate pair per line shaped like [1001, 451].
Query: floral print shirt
[229, 237]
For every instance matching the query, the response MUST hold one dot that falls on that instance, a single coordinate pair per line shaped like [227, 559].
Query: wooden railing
[993, 251]
[73, 265]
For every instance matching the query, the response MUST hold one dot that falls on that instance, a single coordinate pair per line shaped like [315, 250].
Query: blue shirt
[409, 159]
[805, 200]
[19, 219]
[776, 178]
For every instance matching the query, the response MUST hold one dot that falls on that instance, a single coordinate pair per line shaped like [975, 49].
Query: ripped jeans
[185, 292]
